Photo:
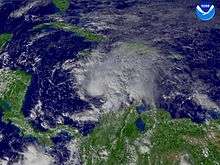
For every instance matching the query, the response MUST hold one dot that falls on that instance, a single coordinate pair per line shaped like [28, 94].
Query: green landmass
[72, 28]
[13, 86]
[139, 48]
[4, 38]
[62, 5]
[165, 141]
[116, 140]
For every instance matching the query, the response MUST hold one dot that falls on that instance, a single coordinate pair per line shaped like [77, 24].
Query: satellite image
[109, 82]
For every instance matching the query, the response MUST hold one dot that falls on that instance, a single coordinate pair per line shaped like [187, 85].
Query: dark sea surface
[53, 87]
[50, 83]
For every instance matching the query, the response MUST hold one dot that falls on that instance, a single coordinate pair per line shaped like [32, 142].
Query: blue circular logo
[205, 13]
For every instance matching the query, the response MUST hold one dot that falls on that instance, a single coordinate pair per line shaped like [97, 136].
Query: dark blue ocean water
[53, 86]
[10, 140]
[202, 63]
[50, 84]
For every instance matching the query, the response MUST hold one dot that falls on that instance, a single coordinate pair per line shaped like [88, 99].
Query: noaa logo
[205, 13]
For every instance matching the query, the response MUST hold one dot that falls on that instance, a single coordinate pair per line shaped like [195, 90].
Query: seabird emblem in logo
[205, 15]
